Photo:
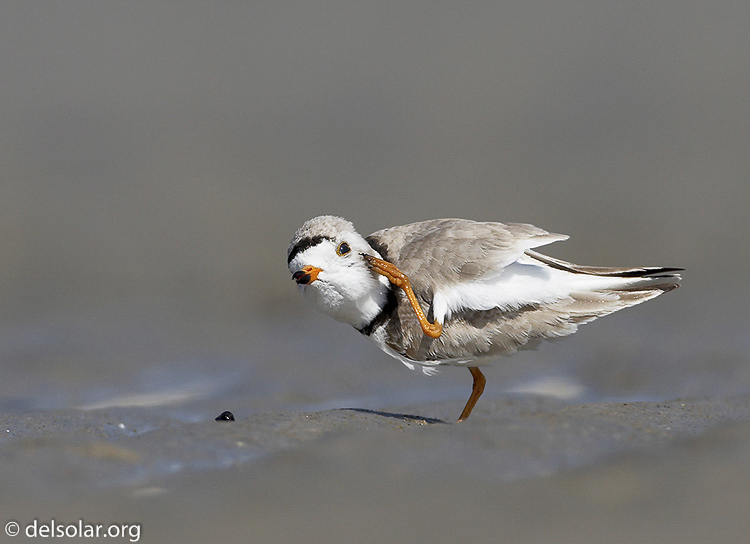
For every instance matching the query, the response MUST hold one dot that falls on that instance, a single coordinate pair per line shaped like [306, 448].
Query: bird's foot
[399, 279]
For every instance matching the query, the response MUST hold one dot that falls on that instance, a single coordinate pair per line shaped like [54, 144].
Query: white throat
[358, 305]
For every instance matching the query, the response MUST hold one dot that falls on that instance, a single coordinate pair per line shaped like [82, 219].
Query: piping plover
[458, 292]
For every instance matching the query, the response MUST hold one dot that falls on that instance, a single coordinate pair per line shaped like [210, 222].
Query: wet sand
[527, 468]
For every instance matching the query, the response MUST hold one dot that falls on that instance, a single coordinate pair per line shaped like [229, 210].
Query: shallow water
[190, 364]
[190, 361]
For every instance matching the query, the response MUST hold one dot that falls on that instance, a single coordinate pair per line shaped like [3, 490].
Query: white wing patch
[521, 283]
[514, 281]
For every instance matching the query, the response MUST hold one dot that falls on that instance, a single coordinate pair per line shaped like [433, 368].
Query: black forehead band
[304, 244]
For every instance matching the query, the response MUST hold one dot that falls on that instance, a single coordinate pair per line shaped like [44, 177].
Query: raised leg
[477, 388]
[399, 279]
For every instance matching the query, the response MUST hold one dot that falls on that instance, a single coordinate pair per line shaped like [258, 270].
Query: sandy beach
[524, 469]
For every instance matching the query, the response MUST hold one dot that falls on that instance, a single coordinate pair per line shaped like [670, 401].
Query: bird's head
[327, 260]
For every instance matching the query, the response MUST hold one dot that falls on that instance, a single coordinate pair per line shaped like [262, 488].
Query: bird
[458, 292]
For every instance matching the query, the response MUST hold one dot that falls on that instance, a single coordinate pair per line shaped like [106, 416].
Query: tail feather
[628, 287]
[637, 272]
[583, 307]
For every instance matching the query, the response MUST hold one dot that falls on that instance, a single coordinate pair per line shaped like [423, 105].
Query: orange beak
[307, 275]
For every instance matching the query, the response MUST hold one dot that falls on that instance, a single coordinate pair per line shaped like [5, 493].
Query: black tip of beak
[301, 277]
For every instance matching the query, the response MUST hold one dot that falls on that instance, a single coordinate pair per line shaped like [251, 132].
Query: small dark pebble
[225, 416]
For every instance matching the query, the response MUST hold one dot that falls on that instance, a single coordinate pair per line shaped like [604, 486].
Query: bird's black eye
[343, 249]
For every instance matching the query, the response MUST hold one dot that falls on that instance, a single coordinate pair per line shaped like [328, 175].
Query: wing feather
[454, 251]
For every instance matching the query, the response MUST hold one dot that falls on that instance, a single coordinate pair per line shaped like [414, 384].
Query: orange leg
[477, 388]
[399, 279]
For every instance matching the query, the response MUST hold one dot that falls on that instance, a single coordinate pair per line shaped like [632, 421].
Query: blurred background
[156, 158]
